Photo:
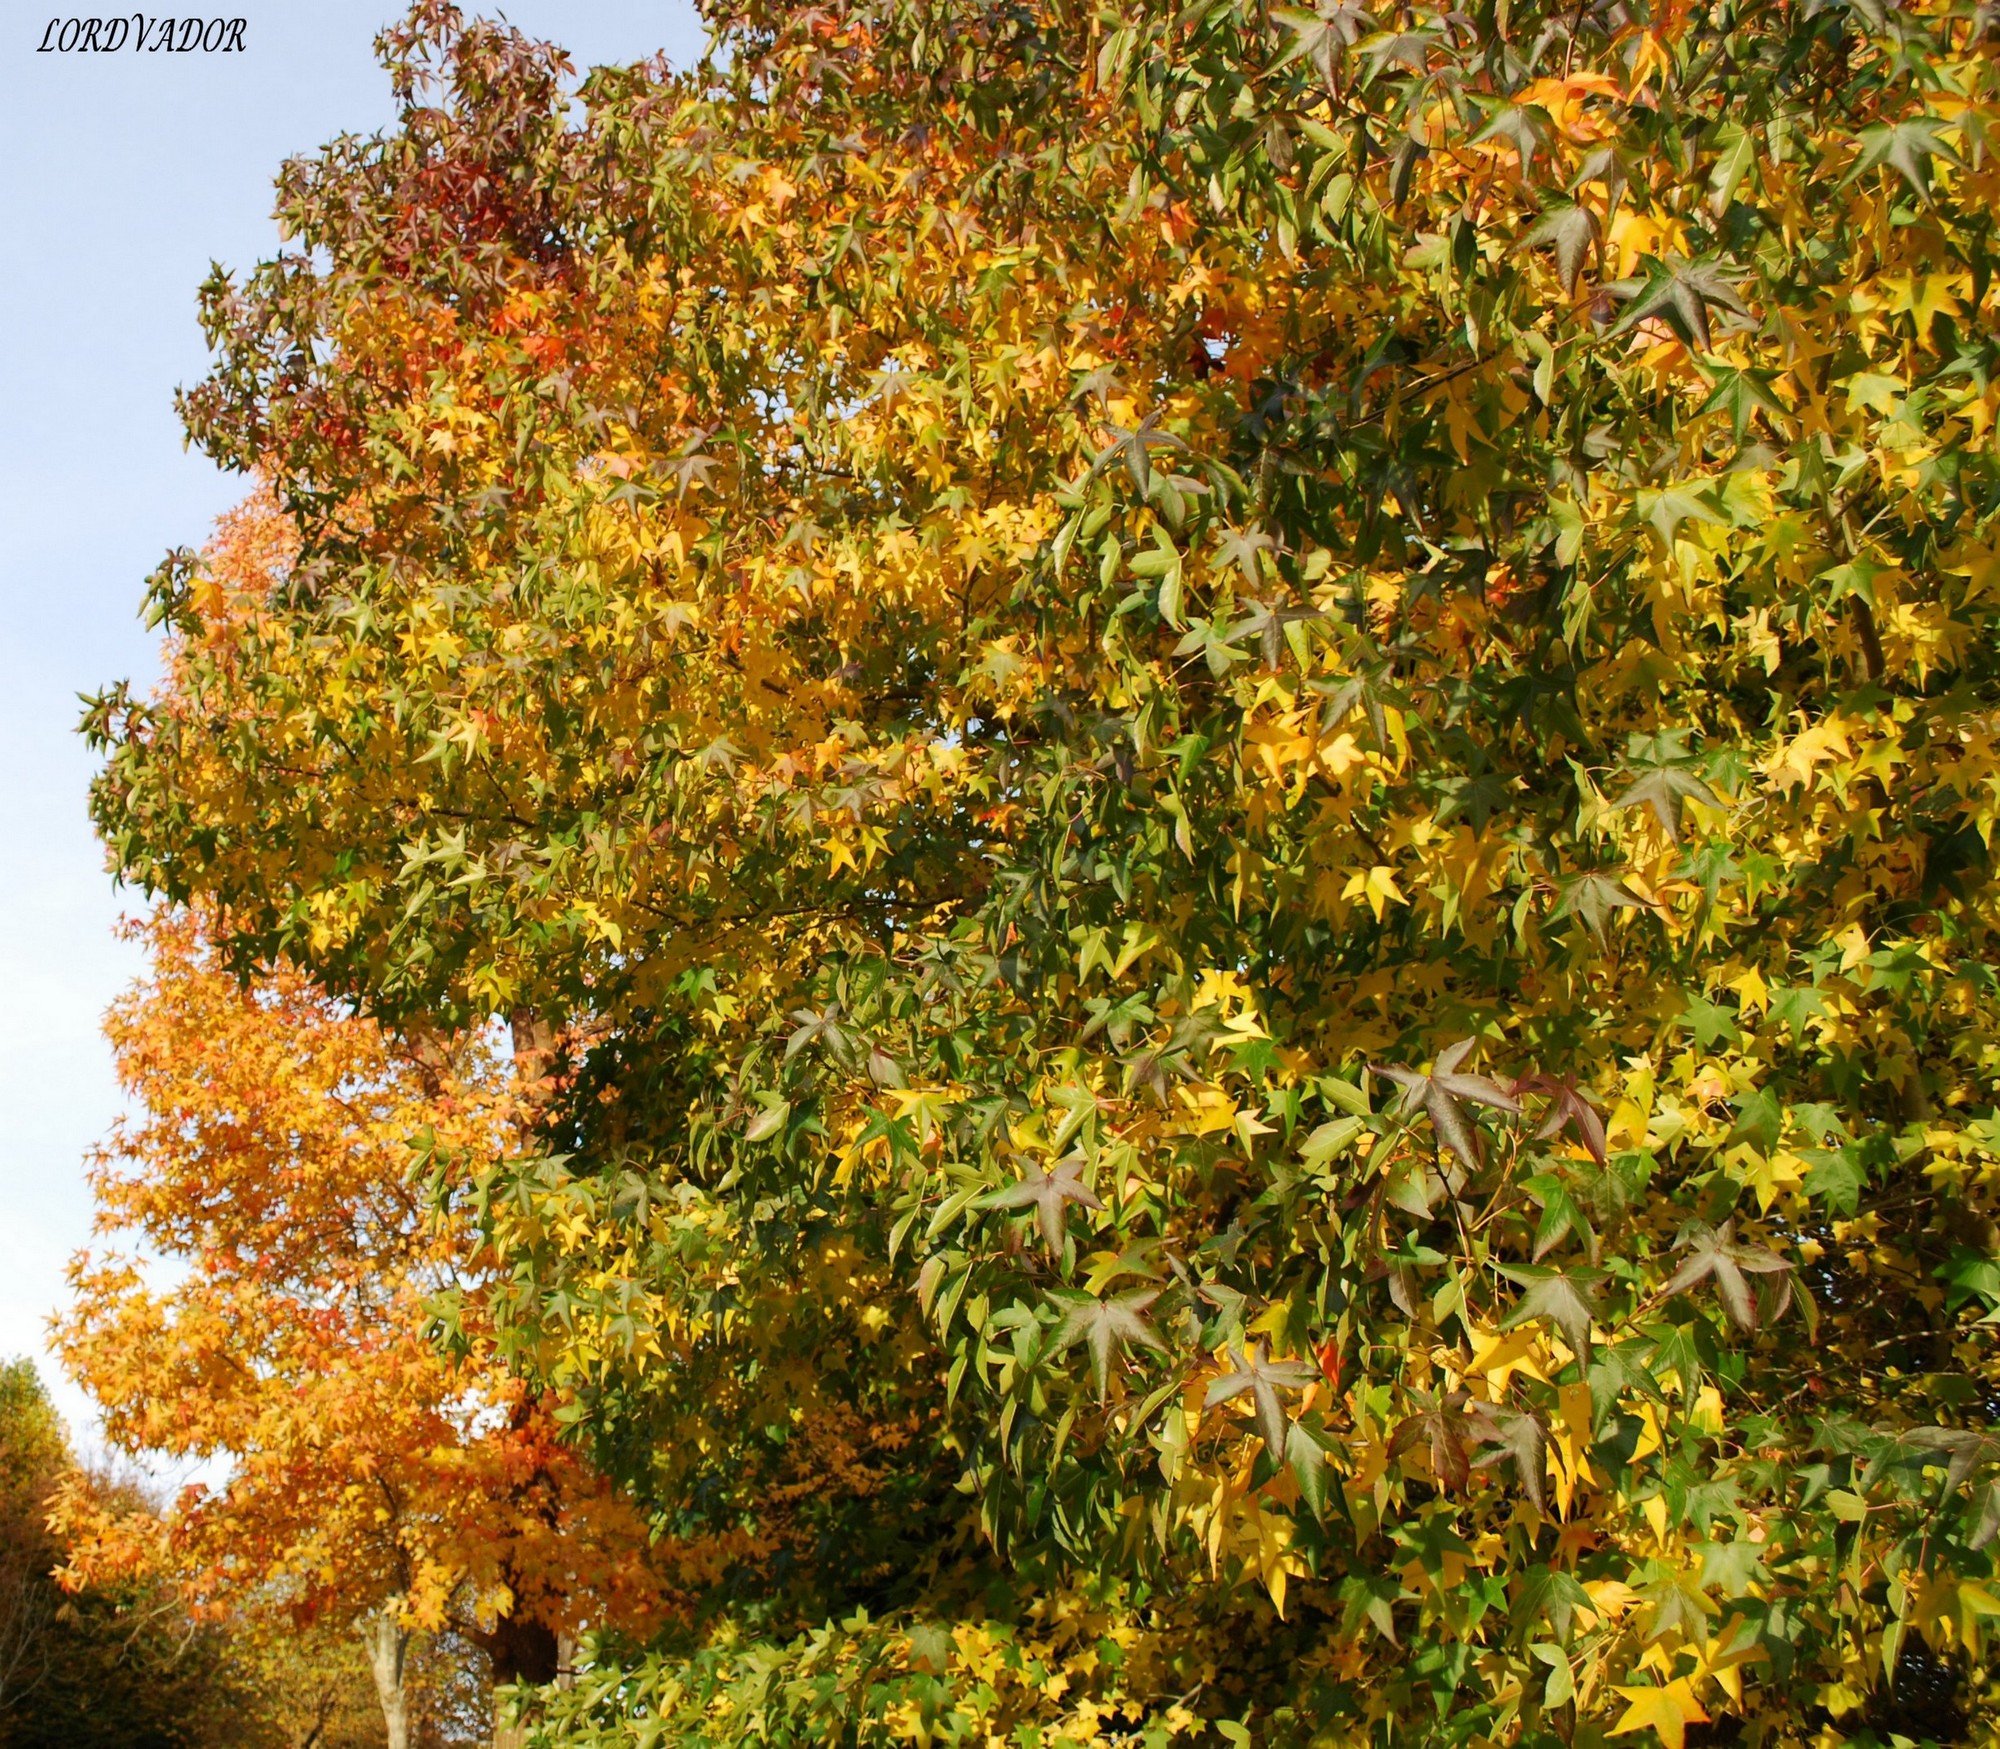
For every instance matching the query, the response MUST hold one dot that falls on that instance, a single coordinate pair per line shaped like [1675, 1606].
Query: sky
[122, 177]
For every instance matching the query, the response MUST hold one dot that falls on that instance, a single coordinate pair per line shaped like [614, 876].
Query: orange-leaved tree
[274, 1160]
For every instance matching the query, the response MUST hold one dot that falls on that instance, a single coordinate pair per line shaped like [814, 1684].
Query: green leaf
[1906, 147]
[1562, 1297]
[1106, 1325]
[1046, 1193]
[1572, 232]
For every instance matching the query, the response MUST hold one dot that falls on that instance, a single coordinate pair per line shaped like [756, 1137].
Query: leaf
[1739, 393]
[1679, 293]
[1662, 789]
[1445, 1431]
[1732, 163]
[1560, 1688]
[1572, 231]
[1135, 448]
[1567, 1109]
[1263, 1379]
[1669, 506]
[1329, 1138]
[1668, 1711]
[1105, 1324]
[1906, 147]
[1408, 155]
[1524, 126]
[931, 1648]
[1322, 34]
[1592, 898]
[1046, 1194]
[768, 1122]
[1714, 1253]
[1307, 1461]
[1560, 1296]
[1443, 1094]
[1521, 1439]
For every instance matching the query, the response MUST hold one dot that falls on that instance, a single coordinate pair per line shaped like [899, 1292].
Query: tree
[33, 1453]
[124, 1669]
[1241, 761]
[372, 1480]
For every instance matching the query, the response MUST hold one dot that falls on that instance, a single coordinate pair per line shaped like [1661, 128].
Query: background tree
[1241, 762]
[370, 1480]
[126, 1668]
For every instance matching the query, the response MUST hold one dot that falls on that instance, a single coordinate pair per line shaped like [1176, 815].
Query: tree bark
[521, 1651]
[388, 1643]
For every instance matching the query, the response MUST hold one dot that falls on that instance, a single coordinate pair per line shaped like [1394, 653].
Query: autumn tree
[1240, 762]
[367, 1479]
[125, 1668]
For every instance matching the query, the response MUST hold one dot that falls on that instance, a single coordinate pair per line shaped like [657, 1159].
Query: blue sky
[124, 176]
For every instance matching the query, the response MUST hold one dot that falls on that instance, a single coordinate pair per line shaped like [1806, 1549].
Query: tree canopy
[367, 1477]
[1239, 762]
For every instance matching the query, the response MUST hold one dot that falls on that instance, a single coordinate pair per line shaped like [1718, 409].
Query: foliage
[124, 1669]
[1244, 759]
[269, 1160]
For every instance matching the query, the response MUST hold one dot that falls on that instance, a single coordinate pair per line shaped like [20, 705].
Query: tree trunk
[388, 1643]
[522, 1651]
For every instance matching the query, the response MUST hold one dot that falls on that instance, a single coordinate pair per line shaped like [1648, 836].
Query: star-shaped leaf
[1669, 1711]
[1105, 1324]
[1572, 231]
[1524, 126]
[1135, 448]
[1561, 1296]
[1593, 897]
[1518, 1436]
[1907, 148]
[1322, 34]
[1046, 1194]
[1240, 547]
[1714, 1252]
[1662, 789]
[1567, 1109]
[1679, 293]
[1739, 393]
[1263, 1379]
[1444, 1093]
[1308, 1464]
[1366, 690]
[1444, 1429]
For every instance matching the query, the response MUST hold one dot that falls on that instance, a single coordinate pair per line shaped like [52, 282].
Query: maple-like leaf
[1444, 1093]
[1518, 1437]
[1679, 292]
[1263, 1379]
[1562, 1296]
[1668, 1710]
[1907, 147]
[1446, 1431]
[1047, 1193]
[1739, 393]
[1662, 789]
[1367, 689]
[1135, 448]
[1714, 1253]
[1567, 1109]
[1322, 34]
[1572, 231]
[1593, 896]
[1109, 1324]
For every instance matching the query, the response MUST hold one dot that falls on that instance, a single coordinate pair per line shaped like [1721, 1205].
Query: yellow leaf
[1669, 1711]
[1496, 1358]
